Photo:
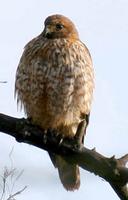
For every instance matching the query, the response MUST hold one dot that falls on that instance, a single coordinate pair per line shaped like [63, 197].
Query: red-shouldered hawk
[54, 83]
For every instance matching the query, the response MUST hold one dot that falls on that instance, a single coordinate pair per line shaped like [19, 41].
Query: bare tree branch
[111, 169]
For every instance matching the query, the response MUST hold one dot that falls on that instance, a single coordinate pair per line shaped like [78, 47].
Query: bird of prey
[54, 83]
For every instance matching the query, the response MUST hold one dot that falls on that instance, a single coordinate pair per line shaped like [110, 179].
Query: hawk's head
[59, 26]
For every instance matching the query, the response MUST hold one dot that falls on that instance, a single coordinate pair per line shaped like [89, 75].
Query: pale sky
[103, 27]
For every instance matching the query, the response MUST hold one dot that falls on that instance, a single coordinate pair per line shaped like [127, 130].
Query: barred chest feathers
[54, 83]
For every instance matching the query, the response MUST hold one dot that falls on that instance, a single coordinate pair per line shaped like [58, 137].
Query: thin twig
[17, 177]
[15, 194]
[10, 174]
[3, 190]
[3, 81]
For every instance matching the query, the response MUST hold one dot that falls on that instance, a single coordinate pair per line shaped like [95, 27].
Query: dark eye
[59, 26]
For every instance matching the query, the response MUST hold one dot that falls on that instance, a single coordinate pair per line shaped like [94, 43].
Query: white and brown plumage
[54, 83]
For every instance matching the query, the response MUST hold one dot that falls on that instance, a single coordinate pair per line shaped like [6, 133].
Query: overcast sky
[103, 27]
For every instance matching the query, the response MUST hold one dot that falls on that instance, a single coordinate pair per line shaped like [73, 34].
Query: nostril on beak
[48, 35]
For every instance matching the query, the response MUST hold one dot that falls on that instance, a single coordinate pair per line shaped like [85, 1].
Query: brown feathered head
[59, 26]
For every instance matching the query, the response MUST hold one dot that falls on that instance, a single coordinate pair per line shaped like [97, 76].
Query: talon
[61, 140]
[45, 136]
[77, 145]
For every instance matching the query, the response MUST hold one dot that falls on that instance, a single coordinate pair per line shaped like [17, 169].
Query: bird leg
[78, 138]
[81, 131]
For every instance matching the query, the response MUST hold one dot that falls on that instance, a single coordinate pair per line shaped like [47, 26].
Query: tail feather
[69, 174]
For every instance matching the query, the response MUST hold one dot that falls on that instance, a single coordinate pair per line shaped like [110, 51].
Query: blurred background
[103, 27]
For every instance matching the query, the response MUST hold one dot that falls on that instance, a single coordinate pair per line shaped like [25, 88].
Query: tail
[69, 174]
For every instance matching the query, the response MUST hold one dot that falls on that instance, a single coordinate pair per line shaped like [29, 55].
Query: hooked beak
[48, 31]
